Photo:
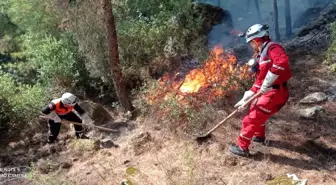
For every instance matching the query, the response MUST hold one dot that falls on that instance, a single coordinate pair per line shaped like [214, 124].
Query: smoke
[244, 14]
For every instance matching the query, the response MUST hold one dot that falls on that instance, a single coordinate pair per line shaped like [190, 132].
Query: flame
[219, 75]
[193, 82]
[217, 70]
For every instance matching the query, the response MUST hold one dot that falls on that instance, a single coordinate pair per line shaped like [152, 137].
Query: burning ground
[180, 95]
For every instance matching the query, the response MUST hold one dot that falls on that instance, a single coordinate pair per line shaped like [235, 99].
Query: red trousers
[261, 110]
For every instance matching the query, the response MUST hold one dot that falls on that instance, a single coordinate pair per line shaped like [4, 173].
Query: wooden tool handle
[75, 123]
[251, 99]
[234, 112]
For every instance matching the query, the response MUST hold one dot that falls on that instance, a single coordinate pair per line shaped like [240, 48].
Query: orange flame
[193, 82]
[218, 75]
[217, 71]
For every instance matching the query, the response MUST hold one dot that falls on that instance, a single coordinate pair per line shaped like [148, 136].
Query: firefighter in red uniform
[272, 72]
[62, 108]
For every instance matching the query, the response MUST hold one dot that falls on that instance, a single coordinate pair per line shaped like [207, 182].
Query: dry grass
[172, 160]
[180, 161]
[83, 145]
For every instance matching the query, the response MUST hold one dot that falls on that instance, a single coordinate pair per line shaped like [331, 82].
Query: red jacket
[272, 58]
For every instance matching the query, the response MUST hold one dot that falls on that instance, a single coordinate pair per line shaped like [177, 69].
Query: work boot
[237, 150]
[259, 140]
[81, 136]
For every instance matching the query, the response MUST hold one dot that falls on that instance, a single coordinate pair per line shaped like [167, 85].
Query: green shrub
[158, 36]
[53, 58]
[33, 15]
[20, 103]
[147, 31]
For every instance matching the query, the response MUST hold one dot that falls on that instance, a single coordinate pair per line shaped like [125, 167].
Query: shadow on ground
[321, 156]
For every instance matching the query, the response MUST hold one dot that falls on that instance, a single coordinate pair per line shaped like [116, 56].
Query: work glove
[246, 97]
[53, 116]
[268, 82]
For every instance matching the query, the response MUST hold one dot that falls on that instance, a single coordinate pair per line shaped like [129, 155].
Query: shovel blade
[203, 137]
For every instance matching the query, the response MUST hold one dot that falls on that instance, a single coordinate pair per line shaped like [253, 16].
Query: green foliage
[154, 7]
[37, 60]
[147, 31]
[331, 53]
[52, 58]
[40, 61]
[33, 15]
[88, 28]
[157, 32]
[156, 37]
[8, 32]
[55, 46]
[20, 103]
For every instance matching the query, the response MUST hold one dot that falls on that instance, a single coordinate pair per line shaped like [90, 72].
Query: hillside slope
[152, 155]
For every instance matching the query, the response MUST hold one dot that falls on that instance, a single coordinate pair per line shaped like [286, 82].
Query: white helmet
[256, 31]
[68, 99]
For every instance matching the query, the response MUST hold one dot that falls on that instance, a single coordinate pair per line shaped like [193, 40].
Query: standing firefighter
[272, 72]
[62, 108]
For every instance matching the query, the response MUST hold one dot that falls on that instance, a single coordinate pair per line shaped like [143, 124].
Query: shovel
[203, 137]
[75, 123]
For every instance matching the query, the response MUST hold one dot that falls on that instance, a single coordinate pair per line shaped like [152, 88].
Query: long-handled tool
[95, 126]
[205, 136]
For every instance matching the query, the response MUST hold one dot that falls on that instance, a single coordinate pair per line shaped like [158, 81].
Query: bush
[20, 103]
[54, 59]
[36, 16]
[39, 61]
[146, 30]
[158, 37]
[58, 46]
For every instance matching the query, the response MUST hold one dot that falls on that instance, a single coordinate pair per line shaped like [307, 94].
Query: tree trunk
[256, 2]
[288, 18]
[113, 54]
[276, 21]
